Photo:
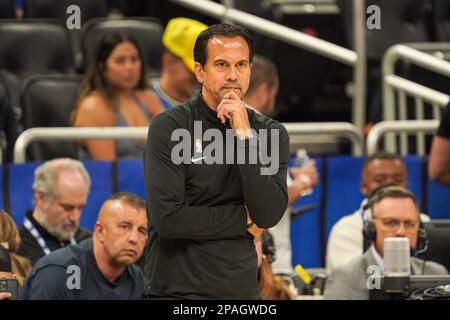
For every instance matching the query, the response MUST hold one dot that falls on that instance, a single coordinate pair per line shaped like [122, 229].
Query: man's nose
[400, 232]
[232, 73]
[75, 213]
[133, 236]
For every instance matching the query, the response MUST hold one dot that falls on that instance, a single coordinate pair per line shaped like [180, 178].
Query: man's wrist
[244, 134]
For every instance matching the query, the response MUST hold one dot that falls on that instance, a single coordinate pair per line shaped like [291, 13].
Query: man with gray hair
[61, 188]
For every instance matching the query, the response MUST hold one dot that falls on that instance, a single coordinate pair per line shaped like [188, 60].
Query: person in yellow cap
[177, 82]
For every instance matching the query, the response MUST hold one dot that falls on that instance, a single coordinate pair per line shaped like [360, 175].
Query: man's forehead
[122, 211]
[391, 207]
[222, 42]
[227, 42]
[385, 165]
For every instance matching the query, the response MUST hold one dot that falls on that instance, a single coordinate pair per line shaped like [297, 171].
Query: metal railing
[339, 129]
[422, 95]
[301, 40]
[403, 126]
[70, 134]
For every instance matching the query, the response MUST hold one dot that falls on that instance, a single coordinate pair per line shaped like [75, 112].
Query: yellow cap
[179, 38]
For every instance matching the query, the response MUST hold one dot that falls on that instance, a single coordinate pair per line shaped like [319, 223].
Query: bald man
[101, 268]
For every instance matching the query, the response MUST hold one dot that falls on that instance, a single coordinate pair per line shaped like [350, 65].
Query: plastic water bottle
[301, 159]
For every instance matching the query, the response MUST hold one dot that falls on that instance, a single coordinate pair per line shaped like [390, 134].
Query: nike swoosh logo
[198, 159]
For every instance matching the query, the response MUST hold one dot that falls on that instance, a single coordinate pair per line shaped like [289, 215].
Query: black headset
[370, 232]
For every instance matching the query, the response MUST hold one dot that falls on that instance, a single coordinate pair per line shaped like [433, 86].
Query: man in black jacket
[215, 190]
[61, 187]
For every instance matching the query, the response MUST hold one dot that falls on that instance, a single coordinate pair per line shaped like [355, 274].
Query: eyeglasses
[395, 224]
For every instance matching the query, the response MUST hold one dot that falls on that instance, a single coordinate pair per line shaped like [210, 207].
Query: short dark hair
[381, 156]
[130, 198]
[390, 192]
[222, 29]
[263, 70]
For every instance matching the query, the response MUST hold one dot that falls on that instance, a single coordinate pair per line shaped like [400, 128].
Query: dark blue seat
[414, 165]
[48, 101]
[130, 177]
[147, 32]
[101, 188]
[343, 195]
[306, 229]
[438, 197]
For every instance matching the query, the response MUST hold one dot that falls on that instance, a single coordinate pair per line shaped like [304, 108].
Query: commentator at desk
[395, 214]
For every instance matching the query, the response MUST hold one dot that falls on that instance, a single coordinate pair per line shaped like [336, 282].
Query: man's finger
[224, 112]
[233, 95]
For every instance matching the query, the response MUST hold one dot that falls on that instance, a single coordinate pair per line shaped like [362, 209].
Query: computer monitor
[439, 242]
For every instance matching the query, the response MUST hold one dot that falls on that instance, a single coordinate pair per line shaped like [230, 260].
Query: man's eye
[242, 66]
[390, 222]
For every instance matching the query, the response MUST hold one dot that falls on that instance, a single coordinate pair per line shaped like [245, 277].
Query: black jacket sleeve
[165, 187]
[265, 191]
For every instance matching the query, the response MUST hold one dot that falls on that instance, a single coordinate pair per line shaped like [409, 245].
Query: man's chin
[64, 235]
[238, 91]
[127, 260]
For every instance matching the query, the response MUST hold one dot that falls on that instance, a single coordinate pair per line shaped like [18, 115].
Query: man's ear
[199, 72]
[99, 231]
[166, 59]
[39, 197]
[363, 188]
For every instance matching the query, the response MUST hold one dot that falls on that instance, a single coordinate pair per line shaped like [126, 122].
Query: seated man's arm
[50, 283]
[165, 187]
[344, 243]
[346, 283]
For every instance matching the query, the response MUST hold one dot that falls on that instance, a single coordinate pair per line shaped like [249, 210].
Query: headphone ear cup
[369, 231]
